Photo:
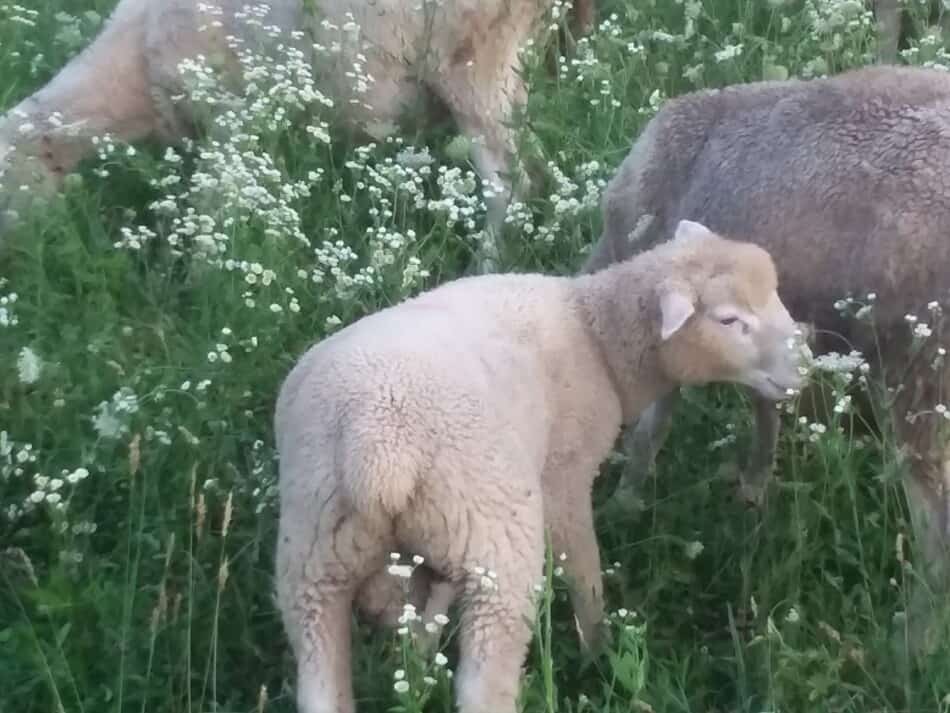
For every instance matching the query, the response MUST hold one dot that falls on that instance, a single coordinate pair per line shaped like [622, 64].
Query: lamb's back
[457, 370]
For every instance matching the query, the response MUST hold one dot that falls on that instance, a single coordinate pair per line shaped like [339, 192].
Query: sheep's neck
[619, 307]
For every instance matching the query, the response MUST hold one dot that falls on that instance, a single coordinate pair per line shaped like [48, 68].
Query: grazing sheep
[462, 51]
[459, 424]
[845, 182]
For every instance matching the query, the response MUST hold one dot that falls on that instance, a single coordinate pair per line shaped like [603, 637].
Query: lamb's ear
[676, 306]
[690, 230]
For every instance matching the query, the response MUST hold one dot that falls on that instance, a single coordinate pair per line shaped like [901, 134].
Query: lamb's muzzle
[780, 373]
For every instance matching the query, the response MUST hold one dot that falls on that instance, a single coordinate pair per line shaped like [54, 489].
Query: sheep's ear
[675, 308]
[691, 230]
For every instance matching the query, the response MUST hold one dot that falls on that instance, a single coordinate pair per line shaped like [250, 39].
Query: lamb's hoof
[595, 642]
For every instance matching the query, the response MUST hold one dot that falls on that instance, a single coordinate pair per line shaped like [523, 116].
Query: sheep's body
[460, 423]
[845, 181]
[422, 455]
[125, 82]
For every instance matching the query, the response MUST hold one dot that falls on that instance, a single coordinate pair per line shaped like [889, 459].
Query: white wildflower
[29, 365]
[400, 570]
[693, 549]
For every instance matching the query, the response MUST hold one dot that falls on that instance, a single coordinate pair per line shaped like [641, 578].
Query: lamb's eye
[728, 320]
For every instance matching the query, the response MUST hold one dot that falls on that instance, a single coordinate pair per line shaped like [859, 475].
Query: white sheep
[845, 181]
[459, 424]
[124, 83]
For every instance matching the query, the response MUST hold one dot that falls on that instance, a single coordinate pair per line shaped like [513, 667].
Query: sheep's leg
[323, 554]
[754, 475]
[943, 20]
[482, 99]
[494, 642]
[323, 664]
[498, 613]
[888, 16]
[380, 105]
[383, 596]
[573, 535]
[642, 443]
[924, 441]
[927, 488]
[585, 15]
[441, 595]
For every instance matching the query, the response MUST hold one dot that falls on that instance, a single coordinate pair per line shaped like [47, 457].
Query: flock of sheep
[466, 423]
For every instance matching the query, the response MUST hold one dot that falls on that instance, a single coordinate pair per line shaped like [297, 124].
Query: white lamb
[465, 52]
[459, 424]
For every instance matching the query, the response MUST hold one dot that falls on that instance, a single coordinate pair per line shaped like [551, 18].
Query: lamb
[465, 422]
[844, 181]
[465, 52]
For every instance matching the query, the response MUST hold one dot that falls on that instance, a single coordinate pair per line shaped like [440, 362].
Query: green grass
[144, 590]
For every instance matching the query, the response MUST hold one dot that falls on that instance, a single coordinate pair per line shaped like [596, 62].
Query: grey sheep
[845, 181]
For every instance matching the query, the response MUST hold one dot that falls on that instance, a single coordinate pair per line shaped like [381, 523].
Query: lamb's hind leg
[319, 566]
[498, 612]
[383, 598]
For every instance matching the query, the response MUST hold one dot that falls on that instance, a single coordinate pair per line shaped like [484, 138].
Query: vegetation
[148, 315]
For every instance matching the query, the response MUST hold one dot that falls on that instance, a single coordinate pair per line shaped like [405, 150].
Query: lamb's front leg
[641, 444]
[572, 535]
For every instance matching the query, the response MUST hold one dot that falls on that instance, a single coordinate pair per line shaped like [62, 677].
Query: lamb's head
[721, 318]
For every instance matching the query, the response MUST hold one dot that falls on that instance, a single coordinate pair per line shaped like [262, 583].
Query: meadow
[149, 313]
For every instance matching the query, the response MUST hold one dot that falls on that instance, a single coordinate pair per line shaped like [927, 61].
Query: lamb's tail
[380, 471]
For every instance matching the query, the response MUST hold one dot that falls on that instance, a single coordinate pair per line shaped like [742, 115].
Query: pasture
[149, 313]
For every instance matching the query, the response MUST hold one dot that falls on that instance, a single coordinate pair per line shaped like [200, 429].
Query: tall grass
[148, 315]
